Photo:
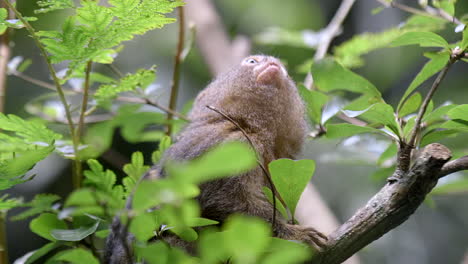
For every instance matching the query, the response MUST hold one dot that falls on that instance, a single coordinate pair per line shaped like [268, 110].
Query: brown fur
[269, 109]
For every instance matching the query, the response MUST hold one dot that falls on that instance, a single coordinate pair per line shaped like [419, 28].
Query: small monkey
[261, 98]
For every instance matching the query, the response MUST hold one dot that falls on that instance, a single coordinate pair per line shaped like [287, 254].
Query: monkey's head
[265, 70]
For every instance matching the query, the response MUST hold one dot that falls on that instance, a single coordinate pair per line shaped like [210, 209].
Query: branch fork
[390, 207]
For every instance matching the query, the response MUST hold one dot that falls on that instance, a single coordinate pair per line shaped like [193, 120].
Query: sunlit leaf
[216, 163]
[343, 79]
[411, 105]
[76, 256]
[45, 223]
[437, 62]
[290, 178]
[74, 234]
[423, 39]
[346, 130]
[315, 101]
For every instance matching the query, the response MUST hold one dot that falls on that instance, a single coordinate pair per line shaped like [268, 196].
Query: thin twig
[425, 103]
[3, 239]
[120, 98]
[80, 127]
[155, 104]
[5, 52]
[33, 80]
[428, 11]
[329, 33]
[176, 70]
[59, 89]
[265, 171]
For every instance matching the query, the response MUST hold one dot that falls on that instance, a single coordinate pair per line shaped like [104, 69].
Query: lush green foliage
[94, 33]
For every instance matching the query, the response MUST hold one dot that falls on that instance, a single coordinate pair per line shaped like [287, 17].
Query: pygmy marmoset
[262, 99]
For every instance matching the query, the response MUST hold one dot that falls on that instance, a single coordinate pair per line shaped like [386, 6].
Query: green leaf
[284, 251]
[95, 32]
[346, 130]
[33, 256]
[438, 113]
[343, 79]
[76, 256]
[379, 113]
[136, 169]
[411, 105]
[350, 52]
[437, 135]
[30, 131]
[141, 79]
[279, 205]
[459, 112]
[246, 238]
[45, 223]
[95, 17]
[280, 36]
[423, 39]
[41, 203]
[143, 226]
[437, 62]
[199, 221]
[97, 177]
[161, 253]
[52, 5]
[315, 101]
[290, 178]
[457, 124]
[74, 234]
[22, 162]
[382, 113]
[452, 187]
[446, 5]
[8, 203]
[216, 163]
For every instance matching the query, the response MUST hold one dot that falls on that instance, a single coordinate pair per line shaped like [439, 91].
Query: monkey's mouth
[269, 74]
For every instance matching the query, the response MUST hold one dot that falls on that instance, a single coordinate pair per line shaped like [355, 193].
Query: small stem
[428, 11]
[155, 104]
[176, 70]
[5, 52]
[3, 239]
[120, 98]
[80, 127]
[34, 80]
[59, 89]
[425, 103]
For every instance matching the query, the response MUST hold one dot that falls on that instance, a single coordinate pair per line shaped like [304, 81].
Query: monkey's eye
[251, 61]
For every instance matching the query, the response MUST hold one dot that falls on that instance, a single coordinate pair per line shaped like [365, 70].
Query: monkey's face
[266, 70]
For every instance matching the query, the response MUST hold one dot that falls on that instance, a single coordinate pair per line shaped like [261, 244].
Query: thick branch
[454, 166]
[390, 207]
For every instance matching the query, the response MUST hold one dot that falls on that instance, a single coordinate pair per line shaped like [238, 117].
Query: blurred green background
[437, 233]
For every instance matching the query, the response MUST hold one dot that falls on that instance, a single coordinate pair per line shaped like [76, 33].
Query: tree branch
[390, 207]
[329, 33]
[427, 11]
[176, 70]
[454, 166]
[5, 52]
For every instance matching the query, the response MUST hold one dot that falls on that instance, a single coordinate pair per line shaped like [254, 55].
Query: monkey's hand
[308, 235]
